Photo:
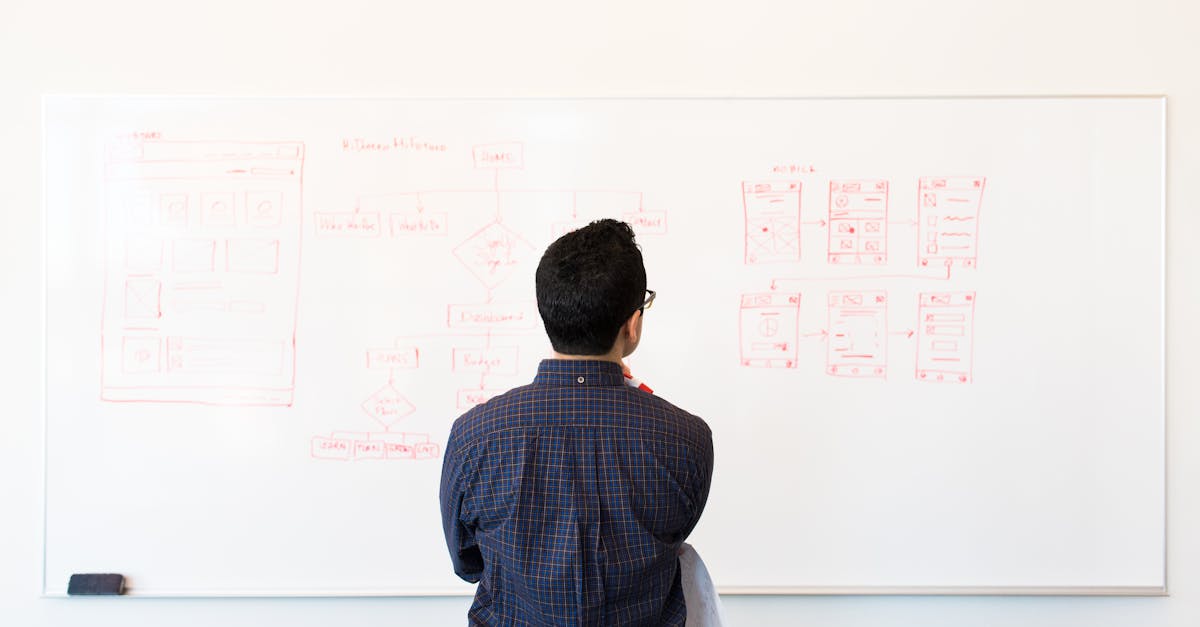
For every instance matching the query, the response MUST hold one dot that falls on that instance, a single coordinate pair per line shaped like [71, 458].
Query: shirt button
[580, 379]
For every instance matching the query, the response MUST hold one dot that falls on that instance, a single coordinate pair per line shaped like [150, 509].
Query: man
[567, 500]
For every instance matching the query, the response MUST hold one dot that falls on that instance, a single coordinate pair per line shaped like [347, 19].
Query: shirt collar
[566, 372]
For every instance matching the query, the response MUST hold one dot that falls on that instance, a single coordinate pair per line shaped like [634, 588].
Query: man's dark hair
[589, 282]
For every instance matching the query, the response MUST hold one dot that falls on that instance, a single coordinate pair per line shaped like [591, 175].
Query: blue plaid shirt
[567, 500]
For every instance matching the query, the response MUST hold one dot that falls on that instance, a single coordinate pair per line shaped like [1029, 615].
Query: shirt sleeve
[460, 536]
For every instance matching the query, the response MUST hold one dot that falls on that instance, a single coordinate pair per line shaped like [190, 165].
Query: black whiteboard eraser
[85, 584]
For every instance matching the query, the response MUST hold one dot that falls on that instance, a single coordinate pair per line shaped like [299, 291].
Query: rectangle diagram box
[646, 222]
[471, 397]
[946, 337]
[858, 334]
[331, 448]
[414, 223]
[347, 224]
[858, 219]
[500, 155]
[264, 208]
[204, 248]
[497, 360]
[492, 316]
[253, 256]
[769, 330]
[143, 298]
[948, 220]
[400, 357]
[772, 214]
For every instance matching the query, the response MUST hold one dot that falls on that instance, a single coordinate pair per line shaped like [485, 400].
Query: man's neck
[613, 356]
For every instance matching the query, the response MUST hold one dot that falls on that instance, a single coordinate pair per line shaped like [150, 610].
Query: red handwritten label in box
[499, 360]
[331, 448]
[427, 450]
[399, 450]
[418, 223]
[492, 316]
[471, 397]
[505, 155]
[647, 222]
[348, 224]
[406, 357]
[365, 449]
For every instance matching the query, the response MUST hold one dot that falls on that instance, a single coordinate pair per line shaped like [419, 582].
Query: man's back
[568, 499]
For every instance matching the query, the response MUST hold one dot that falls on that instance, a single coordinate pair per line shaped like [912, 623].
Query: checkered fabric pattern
[567, 500]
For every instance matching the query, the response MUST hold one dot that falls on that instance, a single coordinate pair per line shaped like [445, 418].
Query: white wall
[627, 48]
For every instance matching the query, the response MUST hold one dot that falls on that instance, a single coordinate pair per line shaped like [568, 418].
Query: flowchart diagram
[944, 231]
[480, 340]
[203, 267]
[202, 273]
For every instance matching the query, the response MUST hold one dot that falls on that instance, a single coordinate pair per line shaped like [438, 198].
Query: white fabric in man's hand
[703, 604]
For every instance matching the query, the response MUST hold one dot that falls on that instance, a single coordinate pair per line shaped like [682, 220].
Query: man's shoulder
[621, 407]
[672, 415]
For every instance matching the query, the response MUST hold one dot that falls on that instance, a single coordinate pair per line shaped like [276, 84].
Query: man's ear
[633, 327]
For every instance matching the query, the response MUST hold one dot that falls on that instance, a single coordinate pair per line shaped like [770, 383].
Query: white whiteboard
[927, 334]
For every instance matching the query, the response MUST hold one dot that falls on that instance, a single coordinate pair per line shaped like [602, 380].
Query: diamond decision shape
[387, 405]
[493, 253]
